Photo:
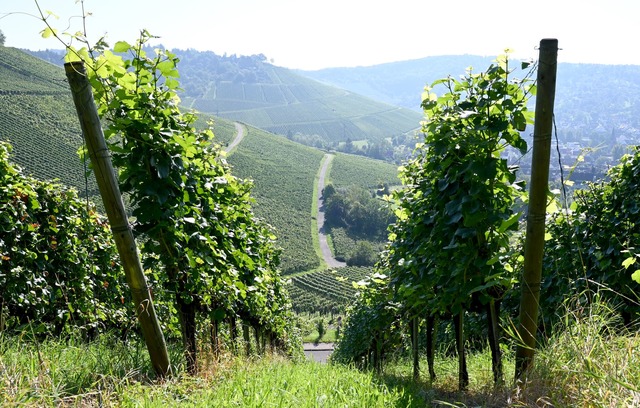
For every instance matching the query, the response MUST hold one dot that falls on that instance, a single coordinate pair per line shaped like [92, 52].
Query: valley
[299, 148]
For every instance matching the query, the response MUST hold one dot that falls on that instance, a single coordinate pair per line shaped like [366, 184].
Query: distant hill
[591, 99]
[397, 83]
[279, 100]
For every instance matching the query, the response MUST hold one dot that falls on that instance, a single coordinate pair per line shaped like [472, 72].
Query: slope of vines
[327, 291]
[349, 170]
[283, 173]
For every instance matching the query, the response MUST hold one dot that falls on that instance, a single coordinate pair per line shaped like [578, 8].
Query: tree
[204, 243]
[2, 38]
[447, 251]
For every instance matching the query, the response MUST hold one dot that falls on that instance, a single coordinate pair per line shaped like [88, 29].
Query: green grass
[113, 374]
[592, 362]
[330, 336]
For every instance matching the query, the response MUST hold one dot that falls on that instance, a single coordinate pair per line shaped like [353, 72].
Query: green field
[351, 170]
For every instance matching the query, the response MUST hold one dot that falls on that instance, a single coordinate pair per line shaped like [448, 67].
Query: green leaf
[48, 32]
[507, 224]
[121, 46]
[636, 276]
[628, 262]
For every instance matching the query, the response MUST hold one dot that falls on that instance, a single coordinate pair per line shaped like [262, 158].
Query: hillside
[397, 83]
[251, 90]
[591, 99]
[38, 117]
[283, 173]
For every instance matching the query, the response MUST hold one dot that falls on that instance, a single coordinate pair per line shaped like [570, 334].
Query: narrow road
[236, 140]
[324, 246]
[318, 352]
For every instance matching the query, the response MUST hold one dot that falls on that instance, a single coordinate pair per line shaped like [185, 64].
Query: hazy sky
[312, 34]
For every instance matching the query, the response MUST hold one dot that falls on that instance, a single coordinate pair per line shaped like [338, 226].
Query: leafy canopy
[456, 211]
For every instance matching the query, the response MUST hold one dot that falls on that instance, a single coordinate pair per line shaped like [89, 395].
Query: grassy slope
[590, 364]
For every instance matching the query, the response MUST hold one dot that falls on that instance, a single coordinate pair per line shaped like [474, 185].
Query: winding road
[322, 237]
[236, 140]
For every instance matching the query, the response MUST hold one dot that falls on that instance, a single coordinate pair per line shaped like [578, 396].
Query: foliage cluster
[449, 250]
[59, 268]
[357, 210]
[595, 244]
[355, 250]
[204, 245]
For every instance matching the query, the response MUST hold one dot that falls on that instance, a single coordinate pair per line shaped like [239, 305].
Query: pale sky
[312, 34]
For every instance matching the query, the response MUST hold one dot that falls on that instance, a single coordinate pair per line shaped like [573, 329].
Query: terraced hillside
[348, 170]
[38, 117]
[327, 291]
[250, 90]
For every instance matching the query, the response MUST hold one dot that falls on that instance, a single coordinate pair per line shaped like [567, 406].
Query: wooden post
[534, 241]
[114, 206]
[414, 325]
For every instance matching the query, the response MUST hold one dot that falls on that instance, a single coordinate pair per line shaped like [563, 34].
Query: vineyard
[279, 100]
[37, 116]
[350, 170]
[36, 110]
[283, 173]
[327, 291]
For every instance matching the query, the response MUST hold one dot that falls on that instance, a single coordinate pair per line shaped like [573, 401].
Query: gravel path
[236, 140]
[324, 246]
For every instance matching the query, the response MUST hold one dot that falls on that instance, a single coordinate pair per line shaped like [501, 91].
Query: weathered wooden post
[534, 241]
[114, 206]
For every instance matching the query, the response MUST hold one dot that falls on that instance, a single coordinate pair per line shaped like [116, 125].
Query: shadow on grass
[423, 393]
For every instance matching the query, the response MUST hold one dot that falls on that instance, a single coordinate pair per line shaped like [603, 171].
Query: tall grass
[592, 361]
[108, 372]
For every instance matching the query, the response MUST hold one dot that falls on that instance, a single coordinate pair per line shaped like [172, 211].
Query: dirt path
[324, 246]
[236, 140]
